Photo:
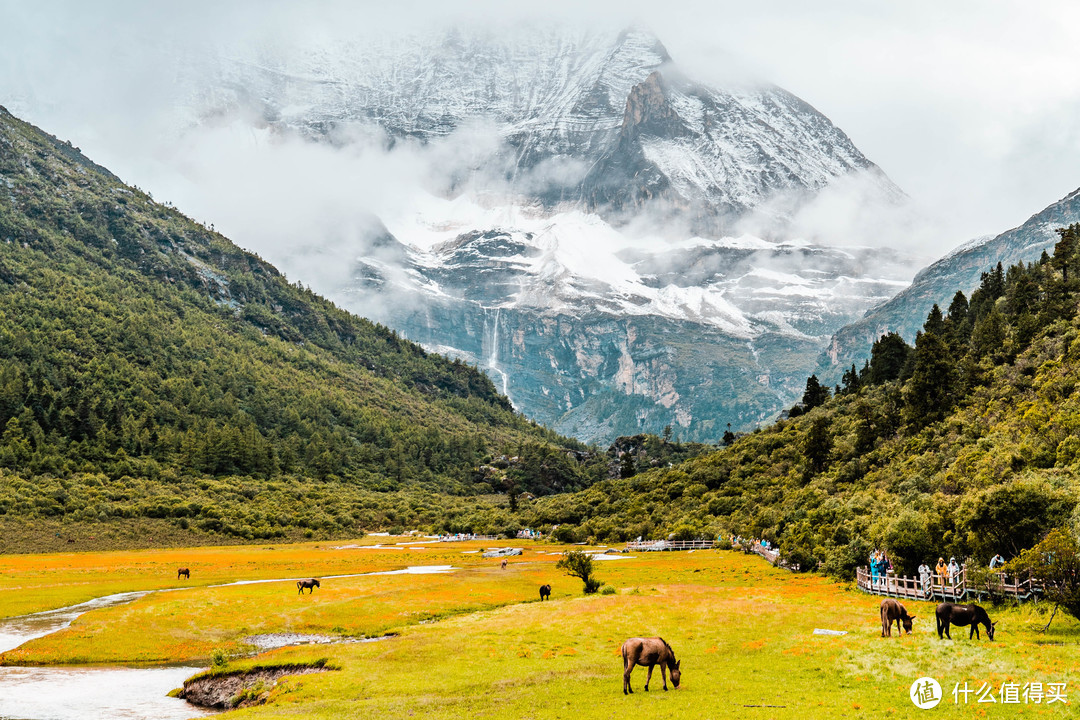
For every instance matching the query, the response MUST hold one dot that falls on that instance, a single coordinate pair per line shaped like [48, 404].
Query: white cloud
[969, 106]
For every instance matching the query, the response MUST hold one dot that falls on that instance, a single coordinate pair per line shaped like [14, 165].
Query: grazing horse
[545, 592]
[309, 584]
[893, 611]
[651, 652]
[183, 571]
[961, 615]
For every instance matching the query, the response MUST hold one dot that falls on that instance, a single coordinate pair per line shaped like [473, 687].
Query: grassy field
[478, 643]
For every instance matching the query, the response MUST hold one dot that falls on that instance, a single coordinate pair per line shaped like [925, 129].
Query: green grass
[478, 644]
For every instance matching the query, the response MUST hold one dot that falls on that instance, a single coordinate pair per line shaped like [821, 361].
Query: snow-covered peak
[599, 119]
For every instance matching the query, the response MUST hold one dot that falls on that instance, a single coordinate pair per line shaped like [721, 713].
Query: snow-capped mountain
[602, 119]
[609, 238]
[620, 246]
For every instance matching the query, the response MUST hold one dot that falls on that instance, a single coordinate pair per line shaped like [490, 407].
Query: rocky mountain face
[600, 341]
[960, 270]
[587, 240]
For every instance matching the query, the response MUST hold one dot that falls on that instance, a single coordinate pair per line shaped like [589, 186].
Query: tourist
[941, 570]
[996, 561]
[924, 577]
[954, 571]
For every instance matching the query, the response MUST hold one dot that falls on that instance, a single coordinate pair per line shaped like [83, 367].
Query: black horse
[545, 592]
[309, 584]
[972, 615]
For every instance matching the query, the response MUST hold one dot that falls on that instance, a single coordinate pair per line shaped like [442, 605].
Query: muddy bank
[241, 688]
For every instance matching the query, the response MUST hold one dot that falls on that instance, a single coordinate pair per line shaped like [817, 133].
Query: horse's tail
[625, 660]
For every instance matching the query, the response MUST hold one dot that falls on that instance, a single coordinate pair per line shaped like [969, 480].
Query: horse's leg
[648, 679]
[974, 631]
[663, 675]
[628, 667]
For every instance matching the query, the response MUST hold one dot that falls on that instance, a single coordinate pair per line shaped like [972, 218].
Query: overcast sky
[970, 107]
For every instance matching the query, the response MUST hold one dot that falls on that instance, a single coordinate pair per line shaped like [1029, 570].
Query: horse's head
[990, 630]
[315, 582]
[907, 623]
[676, 674]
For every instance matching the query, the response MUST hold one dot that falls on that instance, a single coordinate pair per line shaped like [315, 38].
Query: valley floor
[477, 642]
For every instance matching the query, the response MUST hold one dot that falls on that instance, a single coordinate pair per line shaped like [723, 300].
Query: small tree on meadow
[578, 564]
[1056, 563]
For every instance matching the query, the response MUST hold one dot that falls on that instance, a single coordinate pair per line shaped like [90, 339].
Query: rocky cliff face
[960, 270]
[600, 340]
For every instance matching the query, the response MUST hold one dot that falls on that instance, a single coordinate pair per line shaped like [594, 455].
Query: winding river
[106, 693]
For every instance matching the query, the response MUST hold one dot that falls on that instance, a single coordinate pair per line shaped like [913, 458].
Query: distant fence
[462, 537]
[948, 588]
[665, 545]
[773, 556]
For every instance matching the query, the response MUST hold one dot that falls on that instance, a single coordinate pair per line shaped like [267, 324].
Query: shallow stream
[108, 692]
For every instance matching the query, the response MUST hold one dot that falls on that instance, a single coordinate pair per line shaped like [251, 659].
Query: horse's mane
[668, 647]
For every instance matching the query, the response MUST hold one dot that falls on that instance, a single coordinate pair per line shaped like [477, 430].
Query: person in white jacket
[925, 573]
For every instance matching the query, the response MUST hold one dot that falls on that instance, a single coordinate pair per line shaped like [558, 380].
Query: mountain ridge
[959, 271]
[152, 369]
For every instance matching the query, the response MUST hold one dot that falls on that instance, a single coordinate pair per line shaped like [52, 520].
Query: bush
[219, 658]
[607, 590]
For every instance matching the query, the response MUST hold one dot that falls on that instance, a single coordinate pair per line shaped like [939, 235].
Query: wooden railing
[664, 545]
[462, 537]
[954, 588]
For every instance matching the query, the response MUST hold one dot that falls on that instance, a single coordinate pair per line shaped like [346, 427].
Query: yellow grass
[743, 630]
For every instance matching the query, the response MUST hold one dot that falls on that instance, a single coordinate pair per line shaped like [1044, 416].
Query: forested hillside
[966, 444]
[150, 368]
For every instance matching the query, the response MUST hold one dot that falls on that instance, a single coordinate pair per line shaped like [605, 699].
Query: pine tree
[928, 394]
[851, 379]
[815, 394]
[888, 356]
[818, 444]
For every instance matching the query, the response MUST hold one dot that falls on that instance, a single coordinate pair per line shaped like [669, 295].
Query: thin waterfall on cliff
[493, 357]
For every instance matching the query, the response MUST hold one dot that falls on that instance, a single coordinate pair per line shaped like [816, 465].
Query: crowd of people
[938, 578]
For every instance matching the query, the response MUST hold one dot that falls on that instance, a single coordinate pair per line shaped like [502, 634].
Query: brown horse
[545, 592]
[651, 652]
[504, 564]
[183, 571]
[309, 584]
[893, 611]
[962, 615]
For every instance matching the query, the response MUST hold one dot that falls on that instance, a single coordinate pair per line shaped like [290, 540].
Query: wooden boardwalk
[666, 545]
[956, 589]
